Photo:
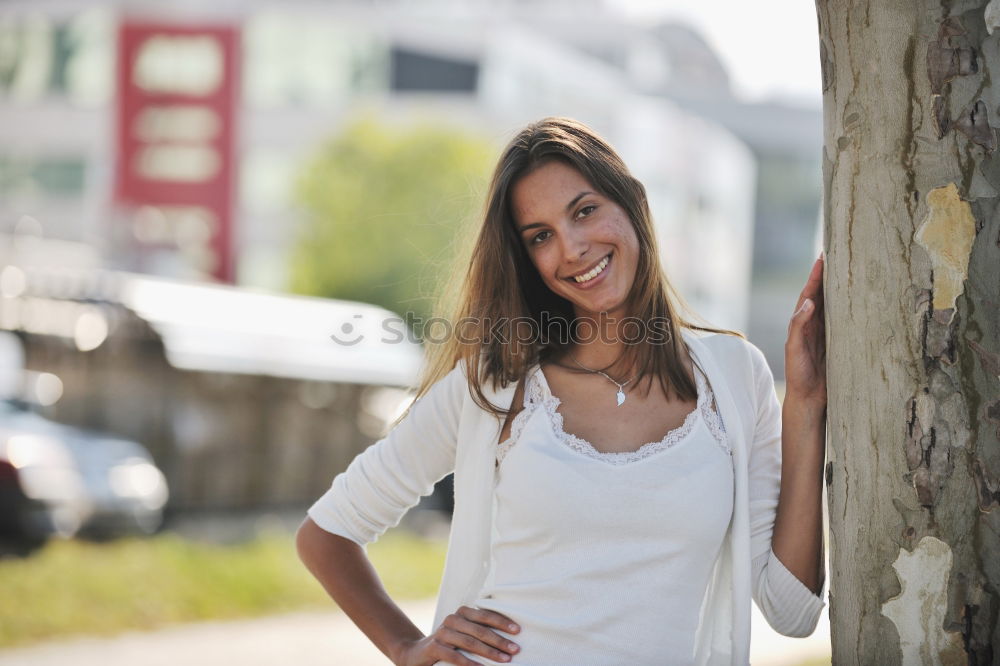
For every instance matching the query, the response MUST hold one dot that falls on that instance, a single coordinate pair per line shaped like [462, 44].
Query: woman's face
[581, 242]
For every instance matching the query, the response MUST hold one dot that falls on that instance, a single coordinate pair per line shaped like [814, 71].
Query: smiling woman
[561, 201]
[618, 470]
[586, 246]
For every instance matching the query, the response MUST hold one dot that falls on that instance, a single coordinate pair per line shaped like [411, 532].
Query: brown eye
[538, 238]
[586, 210]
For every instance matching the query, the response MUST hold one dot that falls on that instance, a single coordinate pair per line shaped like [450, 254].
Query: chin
[597, 309]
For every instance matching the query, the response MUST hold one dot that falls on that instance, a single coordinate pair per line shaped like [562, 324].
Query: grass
[76, 587]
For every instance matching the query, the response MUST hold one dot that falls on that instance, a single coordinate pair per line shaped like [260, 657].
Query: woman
[582, 534]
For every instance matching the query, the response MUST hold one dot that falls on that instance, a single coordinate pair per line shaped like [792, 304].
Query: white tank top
[604, 558]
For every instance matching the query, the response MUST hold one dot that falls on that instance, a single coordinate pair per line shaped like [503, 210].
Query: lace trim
[676, 435]
[535, 394]
[581, 445]
[515, 433]
[712, 418]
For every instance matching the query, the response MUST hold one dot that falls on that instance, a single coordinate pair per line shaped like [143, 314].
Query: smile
[593, 272]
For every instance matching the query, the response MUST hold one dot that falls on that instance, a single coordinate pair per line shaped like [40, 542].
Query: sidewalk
[303, 639]
[312, 639]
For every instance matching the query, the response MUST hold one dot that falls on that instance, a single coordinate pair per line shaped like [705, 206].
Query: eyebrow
[569, 207]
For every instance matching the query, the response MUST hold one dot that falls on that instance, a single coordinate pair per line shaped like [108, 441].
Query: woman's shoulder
[459, 385]
[733, 352]
[448, 387]
[725, 343]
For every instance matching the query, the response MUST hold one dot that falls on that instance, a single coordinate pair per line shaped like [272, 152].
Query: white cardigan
[445, 430]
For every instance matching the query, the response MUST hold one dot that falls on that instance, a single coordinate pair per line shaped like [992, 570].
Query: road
[310, 639]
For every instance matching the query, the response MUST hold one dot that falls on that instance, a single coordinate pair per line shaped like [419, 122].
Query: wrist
[803, 421]
[398, 649]
[809, 407]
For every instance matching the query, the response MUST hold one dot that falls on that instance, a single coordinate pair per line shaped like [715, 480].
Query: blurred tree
[384, 208]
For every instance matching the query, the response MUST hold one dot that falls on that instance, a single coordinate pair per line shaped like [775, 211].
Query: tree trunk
[912, 237]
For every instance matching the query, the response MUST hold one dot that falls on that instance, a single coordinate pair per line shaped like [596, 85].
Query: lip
[597, 280]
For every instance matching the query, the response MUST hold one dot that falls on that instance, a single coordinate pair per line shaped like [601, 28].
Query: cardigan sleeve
[789, 606]
[391, 475]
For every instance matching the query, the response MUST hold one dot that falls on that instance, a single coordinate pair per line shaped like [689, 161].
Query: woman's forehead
[547, 190]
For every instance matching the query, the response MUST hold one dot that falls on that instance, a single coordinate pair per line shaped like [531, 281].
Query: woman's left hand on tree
[805, 349]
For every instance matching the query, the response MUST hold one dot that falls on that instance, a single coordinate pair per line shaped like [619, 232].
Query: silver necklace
[620, 385]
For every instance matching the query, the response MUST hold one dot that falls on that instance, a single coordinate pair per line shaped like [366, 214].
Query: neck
[599, 356]
[600, 342]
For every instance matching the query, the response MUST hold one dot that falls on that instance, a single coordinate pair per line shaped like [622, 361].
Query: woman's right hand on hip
[468, 629]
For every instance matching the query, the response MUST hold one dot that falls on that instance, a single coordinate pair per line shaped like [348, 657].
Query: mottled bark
[912, 237]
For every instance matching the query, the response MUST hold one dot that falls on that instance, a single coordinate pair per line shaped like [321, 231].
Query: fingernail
[808, 305]
[513, 627]
[513, 647]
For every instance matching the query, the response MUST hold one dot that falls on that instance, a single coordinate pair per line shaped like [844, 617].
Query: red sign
[177, 97]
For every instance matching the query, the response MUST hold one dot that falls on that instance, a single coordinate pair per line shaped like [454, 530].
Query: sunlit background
[221, 224]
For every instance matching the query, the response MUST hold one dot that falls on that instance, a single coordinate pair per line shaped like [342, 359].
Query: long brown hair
[497, 294]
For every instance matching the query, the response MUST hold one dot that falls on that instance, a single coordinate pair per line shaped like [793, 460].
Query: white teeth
[593, 272]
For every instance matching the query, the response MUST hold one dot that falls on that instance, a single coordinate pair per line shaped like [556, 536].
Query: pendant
[621, 397]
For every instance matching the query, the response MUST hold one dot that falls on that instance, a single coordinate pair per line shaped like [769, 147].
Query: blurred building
[307, 67]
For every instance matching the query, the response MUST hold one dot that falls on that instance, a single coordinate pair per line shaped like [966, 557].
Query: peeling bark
[918, 610]
[992, 16]
[912, 237]
[975, 124]
[946, 235]
[946, 61]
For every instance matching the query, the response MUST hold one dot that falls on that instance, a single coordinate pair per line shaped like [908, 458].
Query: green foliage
[384, 208]
[76, 587]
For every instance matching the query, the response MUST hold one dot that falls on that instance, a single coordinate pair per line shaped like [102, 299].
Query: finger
[806, 309]
[814, 283]
[819, 300]
[816, 299]
[801, 316]
[818, 292]
[458, 639]
[481, 632]
[447, 655]
[490, 618]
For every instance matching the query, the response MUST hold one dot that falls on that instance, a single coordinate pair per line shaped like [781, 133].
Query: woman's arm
[785, 476]
[798, 525]
[390, 476]
[343, 569]
[347, 575]
[378, 487]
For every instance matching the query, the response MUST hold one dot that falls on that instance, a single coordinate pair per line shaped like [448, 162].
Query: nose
[575, 246]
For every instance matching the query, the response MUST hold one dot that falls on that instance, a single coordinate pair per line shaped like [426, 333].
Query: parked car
[65, 480]
[41, 491]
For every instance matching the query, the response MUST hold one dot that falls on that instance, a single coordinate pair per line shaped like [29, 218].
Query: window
[414, 72]
[50, 176]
